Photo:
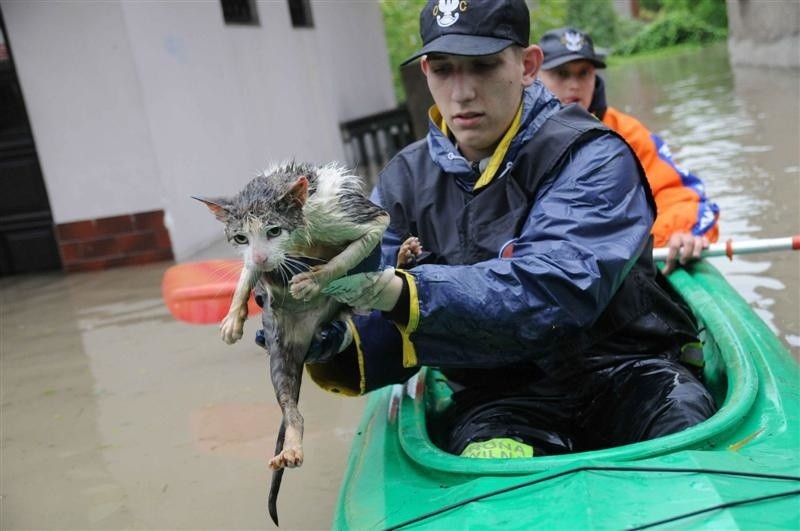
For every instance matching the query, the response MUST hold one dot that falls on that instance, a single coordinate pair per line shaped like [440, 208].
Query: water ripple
[739, 131]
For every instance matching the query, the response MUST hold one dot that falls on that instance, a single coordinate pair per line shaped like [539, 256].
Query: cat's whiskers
[225, 271]
[297, 262]
[303, 266]
[295, 256]
[285, 272]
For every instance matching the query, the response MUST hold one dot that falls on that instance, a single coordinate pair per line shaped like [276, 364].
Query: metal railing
[370, 142]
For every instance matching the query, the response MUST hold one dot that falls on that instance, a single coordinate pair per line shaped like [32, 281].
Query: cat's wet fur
[290, 212]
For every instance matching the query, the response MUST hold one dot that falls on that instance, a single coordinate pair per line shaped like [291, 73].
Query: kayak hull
[746, 456]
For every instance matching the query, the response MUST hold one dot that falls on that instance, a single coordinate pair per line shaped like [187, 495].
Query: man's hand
[378, 290]
[329, 341]
[682, 249]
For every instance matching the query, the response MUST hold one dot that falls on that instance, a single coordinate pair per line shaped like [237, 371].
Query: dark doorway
[27, 239]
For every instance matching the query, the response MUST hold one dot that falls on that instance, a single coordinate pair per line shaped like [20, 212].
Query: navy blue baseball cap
[563, 45]
[472, 27]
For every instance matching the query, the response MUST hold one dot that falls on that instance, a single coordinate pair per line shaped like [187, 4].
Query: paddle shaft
[194, 293]
[730, 248]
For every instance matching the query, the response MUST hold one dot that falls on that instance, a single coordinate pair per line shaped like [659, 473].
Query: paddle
[200, 292]
[730, 248]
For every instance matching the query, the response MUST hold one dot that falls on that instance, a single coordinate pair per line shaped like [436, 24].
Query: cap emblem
[573, 40]
[445, 12]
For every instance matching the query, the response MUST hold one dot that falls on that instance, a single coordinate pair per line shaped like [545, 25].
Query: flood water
[738, 129]
[116, 416]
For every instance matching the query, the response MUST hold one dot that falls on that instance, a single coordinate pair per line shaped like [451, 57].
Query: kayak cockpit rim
[730, 374]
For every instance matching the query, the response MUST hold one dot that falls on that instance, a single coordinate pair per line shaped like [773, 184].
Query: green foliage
[595, 17]
[650, 5]
[669, 30]
[677, 5]
[627, 28]
[401, 24]
[546, 15]
[713, 12]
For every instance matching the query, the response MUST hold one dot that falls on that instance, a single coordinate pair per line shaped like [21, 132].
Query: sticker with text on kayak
[500, 448]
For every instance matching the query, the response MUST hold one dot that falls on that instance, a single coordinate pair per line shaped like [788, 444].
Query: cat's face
[263, 221]
[263, 239]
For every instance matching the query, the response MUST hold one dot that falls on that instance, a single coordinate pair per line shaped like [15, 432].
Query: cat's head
[263, 219]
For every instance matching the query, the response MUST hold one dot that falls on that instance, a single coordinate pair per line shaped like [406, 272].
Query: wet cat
[300, 227]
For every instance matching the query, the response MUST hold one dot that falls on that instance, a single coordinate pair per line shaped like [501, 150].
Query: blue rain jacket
[557, 268]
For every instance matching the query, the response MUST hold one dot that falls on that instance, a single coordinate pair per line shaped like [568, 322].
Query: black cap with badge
[472, 27]
[563, 45]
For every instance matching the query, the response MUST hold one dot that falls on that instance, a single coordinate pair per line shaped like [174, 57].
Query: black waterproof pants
[623, 400]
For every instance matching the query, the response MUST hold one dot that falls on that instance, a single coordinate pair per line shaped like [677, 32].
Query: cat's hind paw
[288, 458]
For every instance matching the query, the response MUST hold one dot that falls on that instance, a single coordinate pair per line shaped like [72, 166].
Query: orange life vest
[680, 196]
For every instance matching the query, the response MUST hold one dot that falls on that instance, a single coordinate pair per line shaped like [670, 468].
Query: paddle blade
[201, 292]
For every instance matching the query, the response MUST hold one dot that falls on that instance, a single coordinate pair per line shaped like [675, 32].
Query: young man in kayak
[535, 291]
[687, 219]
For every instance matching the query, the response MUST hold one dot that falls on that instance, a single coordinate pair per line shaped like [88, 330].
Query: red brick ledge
[103, 243]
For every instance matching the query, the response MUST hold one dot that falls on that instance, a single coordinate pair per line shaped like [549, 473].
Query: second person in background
[687, 219]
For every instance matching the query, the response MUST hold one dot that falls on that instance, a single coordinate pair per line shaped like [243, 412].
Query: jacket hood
[598, 106]
[537, 105]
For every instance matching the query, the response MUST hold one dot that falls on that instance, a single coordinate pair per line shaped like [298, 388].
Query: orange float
[201, 292]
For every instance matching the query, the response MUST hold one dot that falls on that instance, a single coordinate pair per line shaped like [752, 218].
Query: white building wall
[83, 97]
[135, 106]
[764, 33]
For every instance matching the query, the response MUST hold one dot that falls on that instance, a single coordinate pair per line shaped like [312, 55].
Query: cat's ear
[218, 207]
[299, 190]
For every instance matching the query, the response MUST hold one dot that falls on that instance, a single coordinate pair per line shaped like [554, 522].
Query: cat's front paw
[231, 329]
[408, 253]
[304, 286]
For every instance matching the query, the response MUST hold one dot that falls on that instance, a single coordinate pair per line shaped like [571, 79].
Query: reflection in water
[48, 426]
[116, 416]
[739, 130]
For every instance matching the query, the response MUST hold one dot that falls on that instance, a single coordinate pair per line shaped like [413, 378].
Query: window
[300, 11]
[239, 12]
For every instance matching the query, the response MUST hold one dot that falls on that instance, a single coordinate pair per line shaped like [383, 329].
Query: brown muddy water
[738, 129]
[116, 416]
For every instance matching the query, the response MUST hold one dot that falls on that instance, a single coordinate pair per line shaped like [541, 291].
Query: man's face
[479, 96]
[571, 82]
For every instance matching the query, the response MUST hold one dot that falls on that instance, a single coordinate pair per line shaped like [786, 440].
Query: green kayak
[738, 469]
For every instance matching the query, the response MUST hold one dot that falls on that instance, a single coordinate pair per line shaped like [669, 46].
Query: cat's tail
[277, 475]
